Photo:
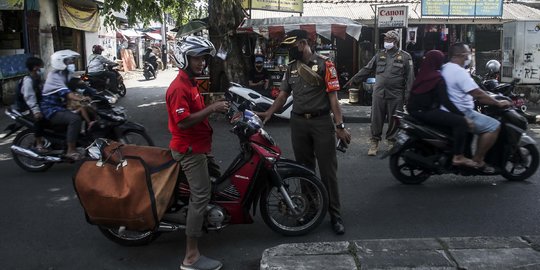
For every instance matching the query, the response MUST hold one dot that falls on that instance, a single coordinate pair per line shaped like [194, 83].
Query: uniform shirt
[183, 99]
[459, 84]
[96, 61]
[394, 74]
[309, 98]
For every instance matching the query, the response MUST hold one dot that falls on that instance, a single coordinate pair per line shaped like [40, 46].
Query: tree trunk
[224, 16]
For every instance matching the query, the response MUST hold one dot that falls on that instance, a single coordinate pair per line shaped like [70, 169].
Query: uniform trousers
[314, 140]
[383, 109]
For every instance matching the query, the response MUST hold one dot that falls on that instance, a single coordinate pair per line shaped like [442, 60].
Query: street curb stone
[416, 254]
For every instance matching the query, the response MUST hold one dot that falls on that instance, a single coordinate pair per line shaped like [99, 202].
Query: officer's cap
[392, 34]
[292, 36]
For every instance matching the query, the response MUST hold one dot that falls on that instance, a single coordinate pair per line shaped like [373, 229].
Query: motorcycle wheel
[122, 89]
[308, 193]
[521, 164]
[26, 139]
[146, 76]
[405, 172]
[136, 137]
[129, 238]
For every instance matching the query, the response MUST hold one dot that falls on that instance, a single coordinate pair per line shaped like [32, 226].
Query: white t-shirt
[459, 83]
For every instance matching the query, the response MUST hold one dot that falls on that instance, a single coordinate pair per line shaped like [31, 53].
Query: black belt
[312, 114]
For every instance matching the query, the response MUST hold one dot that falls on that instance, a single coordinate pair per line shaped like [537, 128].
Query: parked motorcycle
[260, 103]
[490, 82]
[293, 200]
[422, 151]
[149, 71]
[101, 83]
[111, 123]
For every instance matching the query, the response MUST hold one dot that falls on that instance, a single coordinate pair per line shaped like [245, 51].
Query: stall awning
[153, 36]
[130, 33]
[324, 26]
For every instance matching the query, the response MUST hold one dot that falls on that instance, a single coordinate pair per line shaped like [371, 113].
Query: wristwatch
[340, 126]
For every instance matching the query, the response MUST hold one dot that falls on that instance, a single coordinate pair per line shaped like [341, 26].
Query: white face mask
[40, 71]
[468, 61]
[388, 45]
[71, 67]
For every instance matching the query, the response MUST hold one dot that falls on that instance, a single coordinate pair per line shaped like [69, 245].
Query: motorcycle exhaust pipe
[169, 227]
[31, 154]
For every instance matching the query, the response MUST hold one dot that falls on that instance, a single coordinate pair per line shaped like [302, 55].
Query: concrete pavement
[480, 253]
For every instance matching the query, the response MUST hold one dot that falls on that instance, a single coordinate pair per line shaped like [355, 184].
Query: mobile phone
[341, 146]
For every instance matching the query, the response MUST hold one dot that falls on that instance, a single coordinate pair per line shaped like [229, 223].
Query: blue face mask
[40, 71]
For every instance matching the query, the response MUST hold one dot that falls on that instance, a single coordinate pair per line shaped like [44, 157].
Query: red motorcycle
[293, 200]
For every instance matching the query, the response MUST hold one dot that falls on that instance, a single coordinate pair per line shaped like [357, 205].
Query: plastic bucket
[353, 95]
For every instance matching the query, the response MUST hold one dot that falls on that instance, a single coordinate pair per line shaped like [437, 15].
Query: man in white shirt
[462, 90]
[96, 68]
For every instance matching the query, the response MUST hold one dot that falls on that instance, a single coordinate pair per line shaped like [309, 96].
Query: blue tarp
[13, 65]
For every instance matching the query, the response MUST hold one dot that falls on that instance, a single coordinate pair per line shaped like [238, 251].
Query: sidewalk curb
[521, 252]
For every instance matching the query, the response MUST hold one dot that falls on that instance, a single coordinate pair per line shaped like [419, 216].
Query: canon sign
[383, 12]
[392, 16]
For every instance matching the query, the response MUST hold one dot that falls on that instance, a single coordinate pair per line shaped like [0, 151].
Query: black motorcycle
[422, 151]
[101, 83]
[111, 124]
[149, 70]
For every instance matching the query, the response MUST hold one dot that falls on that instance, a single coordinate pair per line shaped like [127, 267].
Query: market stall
[325, 30]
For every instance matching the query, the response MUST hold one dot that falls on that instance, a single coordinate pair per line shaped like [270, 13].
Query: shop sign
[11, 4]
[276, 5]
[472, 8]
[392, 16]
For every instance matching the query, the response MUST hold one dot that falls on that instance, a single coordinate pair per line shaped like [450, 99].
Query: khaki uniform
[394, 76]
[313, 132]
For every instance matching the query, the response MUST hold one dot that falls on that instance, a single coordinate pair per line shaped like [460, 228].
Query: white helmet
[192, 46]
[57, 58]
[493, 66]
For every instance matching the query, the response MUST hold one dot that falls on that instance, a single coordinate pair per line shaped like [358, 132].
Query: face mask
[468, 61]
[388, 45]
[295, 54]
[71, 67]
[40, 71]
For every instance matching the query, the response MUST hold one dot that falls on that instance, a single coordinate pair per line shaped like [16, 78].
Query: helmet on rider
[58, 59]
[192, 46]
[97, 49]
[493, 66]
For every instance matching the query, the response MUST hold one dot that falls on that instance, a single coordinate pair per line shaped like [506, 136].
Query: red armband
[331, 77]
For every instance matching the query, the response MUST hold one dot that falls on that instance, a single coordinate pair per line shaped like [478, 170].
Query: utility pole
[164, 40]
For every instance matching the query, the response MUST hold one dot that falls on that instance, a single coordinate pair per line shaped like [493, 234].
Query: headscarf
[429, 74]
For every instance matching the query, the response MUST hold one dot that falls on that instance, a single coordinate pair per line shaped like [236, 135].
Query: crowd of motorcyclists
[54, 98]
[440, 95]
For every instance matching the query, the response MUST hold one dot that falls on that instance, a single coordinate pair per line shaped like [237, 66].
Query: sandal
[74, 156]
[40, 149]
[203, 263]
[466, 163]
[485, 168]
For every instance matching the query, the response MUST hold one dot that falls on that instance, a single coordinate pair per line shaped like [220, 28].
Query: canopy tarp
[153, 35]
[191, 27]
[324, 26]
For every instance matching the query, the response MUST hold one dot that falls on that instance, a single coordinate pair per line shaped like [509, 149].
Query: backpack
[19, 97]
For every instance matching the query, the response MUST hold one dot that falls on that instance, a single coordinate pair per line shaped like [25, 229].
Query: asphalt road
[43, 225]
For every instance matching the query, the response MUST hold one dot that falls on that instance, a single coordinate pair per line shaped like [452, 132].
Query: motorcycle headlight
[267, 136]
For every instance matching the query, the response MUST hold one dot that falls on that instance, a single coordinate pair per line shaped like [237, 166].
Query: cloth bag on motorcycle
[132, 187]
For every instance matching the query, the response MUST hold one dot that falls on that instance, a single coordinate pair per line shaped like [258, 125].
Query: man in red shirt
[192, 140]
